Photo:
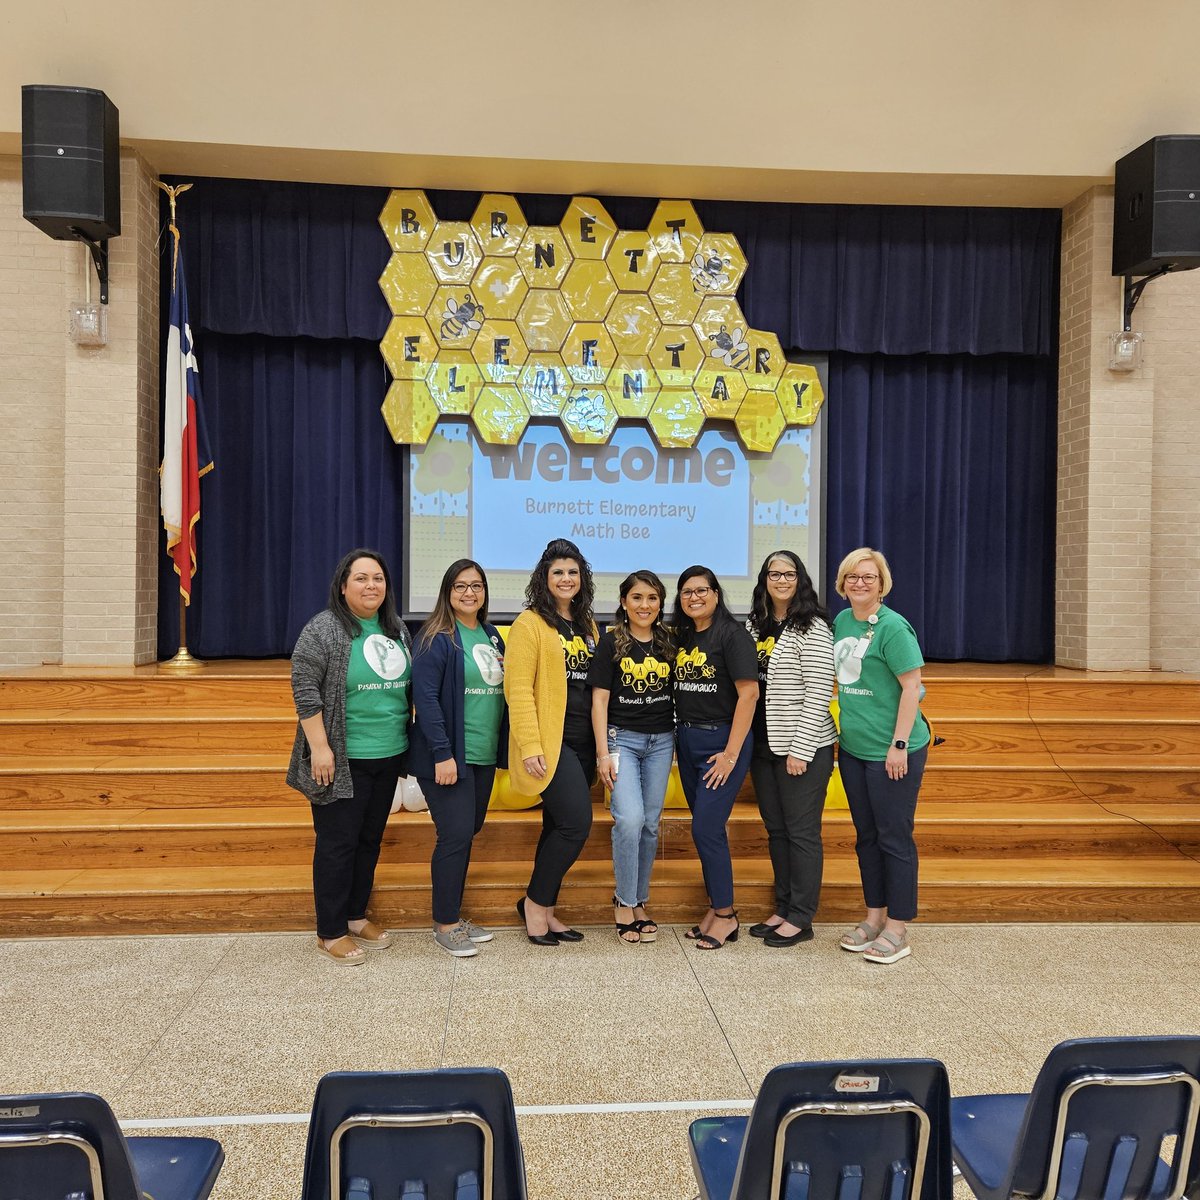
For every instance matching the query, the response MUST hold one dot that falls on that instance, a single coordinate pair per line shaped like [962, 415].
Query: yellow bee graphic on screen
[765, 649]
[647, 676]
[576, 651]
[693, 664]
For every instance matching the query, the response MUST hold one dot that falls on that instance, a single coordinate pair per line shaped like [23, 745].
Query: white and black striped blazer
[799, 689]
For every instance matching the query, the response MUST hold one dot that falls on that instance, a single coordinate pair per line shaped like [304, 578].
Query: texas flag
[185, 448]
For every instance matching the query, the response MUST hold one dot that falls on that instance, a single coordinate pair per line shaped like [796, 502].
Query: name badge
[860, 647]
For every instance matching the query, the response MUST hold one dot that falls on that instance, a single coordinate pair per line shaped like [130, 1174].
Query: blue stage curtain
[947, 465]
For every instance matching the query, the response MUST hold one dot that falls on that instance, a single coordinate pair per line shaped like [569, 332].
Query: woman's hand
[322, 765]
[896, 763]
[536, 766]
[796, 766]
[445, 774]
[718, 772]
[604, 768]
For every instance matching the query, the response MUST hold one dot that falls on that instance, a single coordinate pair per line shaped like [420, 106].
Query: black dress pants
[566, 822]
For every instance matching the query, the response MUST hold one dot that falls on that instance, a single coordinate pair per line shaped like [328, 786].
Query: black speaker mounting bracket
[1133, 291]
[100, 258]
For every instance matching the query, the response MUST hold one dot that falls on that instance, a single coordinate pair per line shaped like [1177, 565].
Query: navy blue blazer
[438, 688]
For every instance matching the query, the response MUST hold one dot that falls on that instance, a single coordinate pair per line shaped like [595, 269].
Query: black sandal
[624, 928]
[647, 926]
[706, 941]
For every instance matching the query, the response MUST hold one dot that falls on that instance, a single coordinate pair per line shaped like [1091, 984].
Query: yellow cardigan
[535, 686]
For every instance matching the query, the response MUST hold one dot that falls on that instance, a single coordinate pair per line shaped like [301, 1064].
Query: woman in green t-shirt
[883, 743]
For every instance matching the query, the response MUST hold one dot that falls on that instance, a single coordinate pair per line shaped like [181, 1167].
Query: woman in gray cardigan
[351, 681]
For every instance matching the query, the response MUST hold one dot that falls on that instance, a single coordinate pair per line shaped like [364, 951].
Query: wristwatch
[900, 744]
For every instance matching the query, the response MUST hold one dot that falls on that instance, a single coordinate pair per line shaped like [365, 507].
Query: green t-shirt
[377, 690]
[868, 687]
[483, 703]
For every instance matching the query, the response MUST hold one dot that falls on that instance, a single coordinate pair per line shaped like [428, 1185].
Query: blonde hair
[854, 558]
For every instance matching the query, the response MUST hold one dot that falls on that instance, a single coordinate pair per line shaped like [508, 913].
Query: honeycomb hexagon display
[633, 386]
[633, 323]
[499, 224]
[407, 284]
[633, 260]
[544, 383]
[500, 286]
[676, 230]
[453, 252]
[544, 256]
[588, 228]
[544, 320]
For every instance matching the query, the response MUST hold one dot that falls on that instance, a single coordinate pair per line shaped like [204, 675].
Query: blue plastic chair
[418, 1135]
[1093, 1128]
[62, 1145]
[833, 1131]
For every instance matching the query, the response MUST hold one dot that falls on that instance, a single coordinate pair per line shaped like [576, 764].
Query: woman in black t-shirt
[716, 689]
[634, 723]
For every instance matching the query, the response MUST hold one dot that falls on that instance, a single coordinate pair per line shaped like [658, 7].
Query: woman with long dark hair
[351, 672]
[551, 749]
[793, 739]
[633, 719]
[716, 689]
[458, 738]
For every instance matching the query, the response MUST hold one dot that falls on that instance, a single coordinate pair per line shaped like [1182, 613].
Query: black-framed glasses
[782, 576]
[460, 588]
[695, 593]
[867, 579]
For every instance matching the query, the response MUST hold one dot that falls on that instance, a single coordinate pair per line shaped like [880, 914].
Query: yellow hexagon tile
[673, 295]
[589, 290]
[767, 360]
[544, 384]
[676, 230]
[407, 284]
[588, 228]
[632, 323]
[410, 412]
[676, 418]
[676, 356]
[633, 260]
[588, 415]
[721, 328]
[760, 421]
[454, 381]
[800, 394]
[544, 319]
[453, 252]
[408, 347]
[544, 256]
[455, 316]
[589, 353]
[499, 224]
[718, 265]
[500, 286]
[720, 390]
[500, 414]
[500, 351]
[407, 219]
[633, 386]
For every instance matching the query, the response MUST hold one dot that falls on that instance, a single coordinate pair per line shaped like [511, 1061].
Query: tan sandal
[371, 937]
[860, 937]
[344, 952]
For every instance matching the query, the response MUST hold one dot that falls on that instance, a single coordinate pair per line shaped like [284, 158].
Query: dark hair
[389, 619]
[804, 607]
[685, 627]
[661, 639]
[537, 594]
[441, 618]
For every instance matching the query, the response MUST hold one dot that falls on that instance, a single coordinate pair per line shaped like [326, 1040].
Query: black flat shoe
[805, 934]
[567, 935]
[538, 939]
[762, 930]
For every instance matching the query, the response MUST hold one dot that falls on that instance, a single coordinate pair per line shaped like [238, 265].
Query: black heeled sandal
[706, 941]
[627, 927]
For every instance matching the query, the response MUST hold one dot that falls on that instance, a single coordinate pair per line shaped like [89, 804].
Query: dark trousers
[349, 834]
[566, 822]
[791, 808]
[458, 813]
[710, 807]
[883, 810]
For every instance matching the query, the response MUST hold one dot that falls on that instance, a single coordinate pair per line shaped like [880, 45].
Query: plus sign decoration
[582, 322]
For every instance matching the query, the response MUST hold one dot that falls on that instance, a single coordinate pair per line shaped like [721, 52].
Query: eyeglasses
[867, 579]
[694, 593]
[460, 588]
[782, 576]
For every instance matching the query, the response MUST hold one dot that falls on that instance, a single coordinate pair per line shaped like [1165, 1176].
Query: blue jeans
[637, 803]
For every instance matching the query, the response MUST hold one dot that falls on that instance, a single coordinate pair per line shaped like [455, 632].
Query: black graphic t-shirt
[766, 640]
[578, 648]
[638, 685]
[706, 666]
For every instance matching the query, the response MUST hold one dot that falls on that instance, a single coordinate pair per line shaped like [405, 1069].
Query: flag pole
[182, 660]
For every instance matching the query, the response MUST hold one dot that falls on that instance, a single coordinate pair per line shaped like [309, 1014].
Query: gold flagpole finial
[173, 193]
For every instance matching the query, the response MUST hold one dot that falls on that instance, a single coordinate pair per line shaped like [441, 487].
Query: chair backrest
[394, 1128]
[54, 1145]
[849, 1131]
[1099, 1113]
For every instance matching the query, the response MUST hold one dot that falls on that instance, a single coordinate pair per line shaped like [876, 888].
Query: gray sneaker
[455, 941]
[476, 933]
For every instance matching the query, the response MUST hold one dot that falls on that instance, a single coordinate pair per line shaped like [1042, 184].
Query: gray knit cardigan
[320, 663]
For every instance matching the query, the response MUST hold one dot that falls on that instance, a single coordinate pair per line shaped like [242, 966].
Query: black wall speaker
[1156, 221]
[70, 161]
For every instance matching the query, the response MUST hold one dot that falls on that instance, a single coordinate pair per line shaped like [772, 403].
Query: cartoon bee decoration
[460, 319]
[731, 348]
[710, 274]
[586, 413]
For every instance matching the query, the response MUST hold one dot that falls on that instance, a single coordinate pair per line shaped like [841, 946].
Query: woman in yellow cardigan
[552, 750]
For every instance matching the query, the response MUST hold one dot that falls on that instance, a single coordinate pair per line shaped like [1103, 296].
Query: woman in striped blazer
[793, 739]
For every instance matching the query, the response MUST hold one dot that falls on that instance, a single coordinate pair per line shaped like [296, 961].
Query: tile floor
[230, 1027]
